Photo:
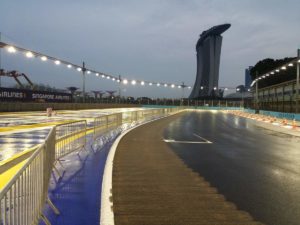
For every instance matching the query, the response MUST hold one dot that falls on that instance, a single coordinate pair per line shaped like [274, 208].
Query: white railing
[23, 198]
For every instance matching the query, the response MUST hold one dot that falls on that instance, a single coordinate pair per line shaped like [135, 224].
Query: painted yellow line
[18, 155]
[9, 174]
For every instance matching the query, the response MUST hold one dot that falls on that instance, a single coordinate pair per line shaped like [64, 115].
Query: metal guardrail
[70, 137]
[23, 198]
[104, 123]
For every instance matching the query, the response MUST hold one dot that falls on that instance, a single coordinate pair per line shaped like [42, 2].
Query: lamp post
[297, 80]
[0, 59]
[256, 94]
[83, 81]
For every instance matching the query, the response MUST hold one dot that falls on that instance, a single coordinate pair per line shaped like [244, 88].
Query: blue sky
[147, 40]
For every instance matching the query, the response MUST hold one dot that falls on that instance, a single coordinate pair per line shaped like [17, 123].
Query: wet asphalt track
[257, 169]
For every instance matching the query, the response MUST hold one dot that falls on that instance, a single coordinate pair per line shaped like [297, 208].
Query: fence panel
[105, 123]
[22, 199]
[70, 137]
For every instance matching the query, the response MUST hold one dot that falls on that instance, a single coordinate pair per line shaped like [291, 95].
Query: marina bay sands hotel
[208, 50]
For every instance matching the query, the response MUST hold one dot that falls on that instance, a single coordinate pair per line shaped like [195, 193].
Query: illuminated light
[172, 86]
[277, 70]
[259, 78]
[215, 88]
[237, 89]
[108, 77]
[249, 89]
[88, 72]
[283, 68]
[11, 49]
[272, 72]
[103, 76]
[57, 62]
[165, 85]
[79, 69]
[189, 87]
[125, 81]
[29, 54]
[290, 64]
[69, 66]
[264, 76]
[118, 81]
[201, 87]
[142, 83]
[158, 84]
[299, 61]
[113, 79]
[225, 89]
[133, 82]
[267, 75]
[44, 58]
[179, 86]
[97, 74]
[150, 84]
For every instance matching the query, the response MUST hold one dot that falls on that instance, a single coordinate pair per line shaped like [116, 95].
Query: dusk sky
[146, 40]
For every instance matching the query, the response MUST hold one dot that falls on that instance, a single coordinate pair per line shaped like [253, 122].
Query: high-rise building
[248, 78]
[208, 50]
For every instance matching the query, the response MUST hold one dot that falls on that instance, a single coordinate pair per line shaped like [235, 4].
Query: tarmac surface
[152, 185]
[206, 168]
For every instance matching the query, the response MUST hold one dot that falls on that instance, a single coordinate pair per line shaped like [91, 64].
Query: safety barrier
[22, 199]
[69, 138]
[104, 123]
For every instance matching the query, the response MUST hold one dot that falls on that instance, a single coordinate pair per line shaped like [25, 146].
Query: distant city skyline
[144, 40]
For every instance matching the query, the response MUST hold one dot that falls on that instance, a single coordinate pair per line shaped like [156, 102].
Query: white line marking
[207, 141]
[186, 142]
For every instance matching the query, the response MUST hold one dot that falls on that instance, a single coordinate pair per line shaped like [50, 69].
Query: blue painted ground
[77, 194]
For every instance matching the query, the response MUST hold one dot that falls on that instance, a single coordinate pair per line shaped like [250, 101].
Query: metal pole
[83, 81]
[297, 81]
[0, 60]
[256, 93]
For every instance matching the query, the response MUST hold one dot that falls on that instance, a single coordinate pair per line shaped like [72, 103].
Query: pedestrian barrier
[69, 138]
[23, 198]
[105, 123]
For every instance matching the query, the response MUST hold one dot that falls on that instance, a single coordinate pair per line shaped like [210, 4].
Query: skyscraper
[208, 50]
[248, 79]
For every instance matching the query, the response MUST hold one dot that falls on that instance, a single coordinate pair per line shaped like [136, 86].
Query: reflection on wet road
[257, 169]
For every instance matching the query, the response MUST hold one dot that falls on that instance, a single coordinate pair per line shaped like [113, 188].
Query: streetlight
[297, 81]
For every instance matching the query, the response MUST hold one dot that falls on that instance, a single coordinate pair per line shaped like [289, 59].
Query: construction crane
[16, 75]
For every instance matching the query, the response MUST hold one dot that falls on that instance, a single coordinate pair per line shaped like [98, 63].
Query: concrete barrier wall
[27, 106]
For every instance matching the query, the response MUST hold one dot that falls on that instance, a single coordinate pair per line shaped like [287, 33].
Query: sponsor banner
[13, 94]
[282, 115]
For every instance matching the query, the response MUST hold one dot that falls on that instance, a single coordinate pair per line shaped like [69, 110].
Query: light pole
[256, 94]
[0, 59]
[297, 80]
[83, 81]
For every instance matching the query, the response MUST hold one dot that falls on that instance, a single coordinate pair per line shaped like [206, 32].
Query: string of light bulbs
[44, 57]
[277, 70]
